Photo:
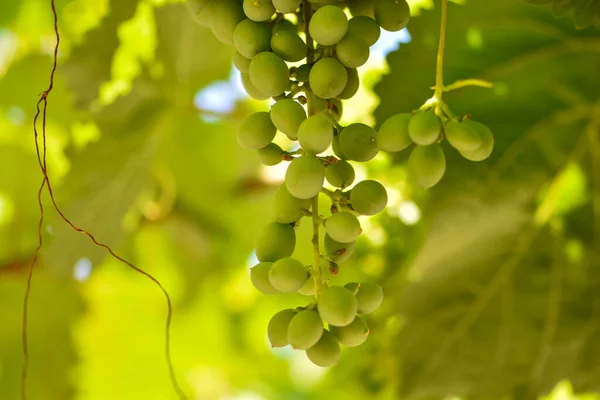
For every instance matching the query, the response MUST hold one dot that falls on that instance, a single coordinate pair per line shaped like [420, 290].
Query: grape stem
[316, 219]
[439, 72]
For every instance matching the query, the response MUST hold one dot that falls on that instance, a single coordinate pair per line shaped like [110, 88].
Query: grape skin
[328, 78]
[286, 6]
[251, 38]
[278, 328]
[287, 275]
[358, 142]
[287, 115]
[305, 176]
[270, 155]
[305, 330]
[343, 227]
[259, 10]
[487, 142]
[351, 335]
[364, 27]
[424, 128]
[462, 136]
[225, 16]
[340, 174]
[289, 46]
[326, 352]
[368, 197]
[328, 25]
[241, 63]
[287, 208]
[251, 89]
[427, 164]
[393, 134]
[315, 133]
[352, 85]
[257, 131]
[269, 74]
[275, 241]
[259, 276]
[336, 251]
[392, 15]
[337, 306]
[352, 51]
[369, 297]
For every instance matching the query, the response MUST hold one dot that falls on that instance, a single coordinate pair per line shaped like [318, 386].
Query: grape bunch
[326, 47]
[427, 162]
[585, 12]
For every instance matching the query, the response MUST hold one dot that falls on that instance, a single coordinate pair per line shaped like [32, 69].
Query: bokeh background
[492, 278]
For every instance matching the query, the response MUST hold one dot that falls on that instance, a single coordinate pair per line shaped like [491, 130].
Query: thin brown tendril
[41, 156]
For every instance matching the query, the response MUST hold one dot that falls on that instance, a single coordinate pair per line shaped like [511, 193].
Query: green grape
[287, 275]
[251, 38]
[225, 16]
[259, 10]
[393, 133]
[340, 174]
[337, 149]
[369, 296]
[308, 289]
[343, 227]
[303, 72]
[364, 27]
[284, 25]
[269, 74]
[326, 352]
[336, 251]
[358, 142]
[392, 15]
[200, 10]
[286, 6]
[328, 78]
[328, 25]
[352, 51]
[278, 328]
[286, 208]
[259, 276]
[424, 128]
[487, 142]
[241, 63]
[361, 8]
[315, 133]
[251, 89]
[305, 176]
[337, 306]
[351, 86]
[351, 335]
[287, 115]
[333, 107]
[257, 131]
[275, 241]
[270, 155]
[427, 164]
[305, 330]
[368, 197]
[462, 136]
[288, 45]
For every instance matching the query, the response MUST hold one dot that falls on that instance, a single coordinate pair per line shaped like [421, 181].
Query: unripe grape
[462, 136]
[259, 10]
[368, 197]
[340, 174]
[326, 352]
[427, 164]
[251, 38]
[269, 74]
[286, 6]
[284, 25]
[241, 63]
[352, 84]
[357, 142]
[287, 115]
[315, 133]
[200, 10]
[336, 251]
[305, 330]
[369, 296]
[278, 328]
[257, 131]
[392, 15]
[351, 335]
[361, 7]
[328, 25]
[305, 176]
[287, 208]
[424, 128]
[303, 72]
[288, 45]
[251, 89]
[287, 275]
[275, 241]
[328, 78]
[259, 276]
[308, 289]
[337, 149]
[364, 27]
[225, 16]
[337, 306]
[487, 142]
[270, 155]
[352, 51]
[343, 227]
[393, 133]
